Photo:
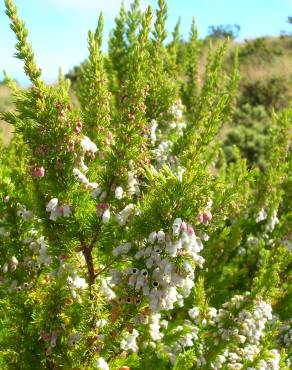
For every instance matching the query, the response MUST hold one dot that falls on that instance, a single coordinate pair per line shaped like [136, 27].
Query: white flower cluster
[175, 128]
[261, 216]
[11, 265]
[34, 261]
[234, 361]
[106, 290]
[162, 152]
[285, 334]
[248, 328]
[271, 223]
[103, 209]
[159, 279]
[122, 249]
[40, 248]
[88, 146]
[177, 109]
[128, 343]
[79, 176]
[100, 323]
[185, 336]
[178, 124]
[271, 363]
[262, 235]
[121, 217]
[55, 211]
[74, 283]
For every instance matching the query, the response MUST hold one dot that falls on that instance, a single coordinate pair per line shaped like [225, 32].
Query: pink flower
[205, 217]
[201, 218]
[183, 226]
[62, 114]
[190, 230]
[78, 126]
[38, 172]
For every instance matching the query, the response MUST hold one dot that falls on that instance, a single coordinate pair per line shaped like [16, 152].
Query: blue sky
[58, 28]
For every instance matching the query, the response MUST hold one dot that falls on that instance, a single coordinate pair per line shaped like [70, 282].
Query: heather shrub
[127, 240]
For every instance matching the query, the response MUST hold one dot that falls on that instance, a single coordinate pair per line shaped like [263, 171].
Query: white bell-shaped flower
[52, 205]
[106, 216]
[87, 145]
[176, 226]
[102, 364]
[119, 192]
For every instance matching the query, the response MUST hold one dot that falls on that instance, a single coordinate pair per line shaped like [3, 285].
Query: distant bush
[250, 135]
[258, 48]
[271, 93]
[224, 31]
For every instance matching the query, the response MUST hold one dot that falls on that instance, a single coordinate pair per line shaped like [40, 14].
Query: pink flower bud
[62, 114]
[201, 218]
[78, 126]
[183, 226]
[190, 230]
[207, 215]
[38, 172]
[6, 199]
